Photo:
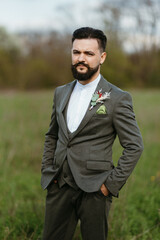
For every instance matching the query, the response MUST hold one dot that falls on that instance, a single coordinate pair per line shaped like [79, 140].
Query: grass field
[24, 119]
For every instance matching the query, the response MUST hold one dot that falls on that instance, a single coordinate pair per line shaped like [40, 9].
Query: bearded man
[77, 166]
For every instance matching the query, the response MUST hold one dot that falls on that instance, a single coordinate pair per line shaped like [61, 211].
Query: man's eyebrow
[75, 50]
[86, 52]
[90, 52]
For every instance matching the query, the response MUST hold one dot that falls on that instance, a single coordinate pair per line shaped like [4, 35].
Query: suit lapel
[103, 84]
[67, 95]
[64, 102]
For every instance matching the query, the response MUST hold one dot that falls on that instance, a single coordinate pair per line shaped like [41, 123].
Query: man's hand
[104, 190]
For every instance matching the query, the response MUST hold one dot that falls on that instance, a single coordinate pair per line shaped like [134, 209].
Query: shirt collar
[89, 85]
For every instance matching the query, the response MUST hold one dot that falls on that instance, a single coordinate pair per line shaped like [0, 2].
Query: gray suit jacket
[89, 149]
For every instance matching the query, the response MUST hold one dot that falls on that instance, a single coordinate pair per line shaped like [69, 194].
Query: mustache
[81, 63]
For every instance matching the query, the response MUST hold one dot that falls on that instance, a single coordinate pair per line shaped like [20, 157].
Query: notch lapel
[64, 102]
[103, 84]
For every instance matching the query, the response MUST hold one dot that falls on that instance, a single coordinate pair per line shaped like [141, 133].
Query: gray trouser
[65, 206]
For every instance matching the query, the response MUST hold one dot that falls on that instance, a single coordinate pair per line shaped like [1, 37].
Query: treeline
[36, 61]
[137, 69]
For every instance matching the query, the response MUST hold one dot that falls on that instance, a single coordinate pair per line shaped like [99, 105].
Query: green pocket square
[101, 110]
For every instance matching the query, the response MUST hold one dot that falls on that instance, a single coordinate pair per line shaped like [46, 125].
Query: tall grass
[24, 119]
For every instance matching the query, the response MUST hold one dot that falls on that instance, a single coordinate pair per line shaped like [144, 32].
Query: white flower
[104, 96]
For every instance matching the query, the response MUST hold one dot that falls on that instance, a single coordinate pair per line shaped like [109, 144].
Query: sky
[62, 15]
[19, 15]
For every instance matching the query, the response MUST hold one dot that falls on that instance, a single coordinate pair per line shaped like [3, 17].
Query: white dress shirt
[79, 103]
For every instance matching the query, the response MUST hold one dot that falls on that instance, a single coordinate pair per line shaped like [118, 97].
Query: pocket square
[102, 110]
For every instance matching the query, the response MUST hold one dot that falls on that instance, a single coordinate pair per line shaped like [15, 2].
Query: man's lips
[81, 67]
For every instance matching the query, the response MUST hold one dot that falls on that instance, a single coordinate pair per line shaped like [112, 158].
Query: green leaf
[93, 103]
[95, 97]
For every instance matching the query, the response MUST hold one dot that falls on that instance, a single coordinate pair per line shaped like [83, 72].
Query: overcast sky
[64, 15]
[17, 15]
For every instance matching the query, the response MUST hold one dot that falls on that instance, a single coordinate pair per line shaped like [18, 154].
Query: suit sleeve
[131, 141]
[50, 139]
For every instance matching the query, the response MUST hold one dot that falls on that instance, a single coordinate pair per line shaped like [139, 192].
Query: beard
[83, 76]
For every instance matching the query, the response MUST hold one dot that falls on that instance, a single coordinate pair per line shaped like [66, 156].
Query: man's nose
[81, 58]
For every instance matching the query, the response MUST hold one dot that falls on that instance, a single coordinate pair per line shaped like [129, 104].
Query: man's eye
[90, 54]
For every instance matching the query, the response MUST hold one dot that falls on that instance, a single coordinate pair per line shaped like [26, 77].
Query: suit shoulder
[61, 89]
[118, 93]
[120, 99]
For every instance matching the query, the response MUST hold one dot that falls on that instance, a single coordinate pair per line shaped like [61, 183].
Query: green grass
[24, 119]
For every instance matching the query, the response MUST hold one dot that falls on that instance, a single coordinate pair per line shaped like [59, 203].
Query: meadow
[24, 120]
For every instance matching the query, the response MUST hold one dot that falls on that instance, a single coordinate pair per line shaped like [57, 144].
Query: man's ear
[103, 57]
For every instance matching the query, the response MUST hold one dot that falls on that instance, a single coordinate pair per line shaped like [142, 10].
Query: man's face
[86, 58]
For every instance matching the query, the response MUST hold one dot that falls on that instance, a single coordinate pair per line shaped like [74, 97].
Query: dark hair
[88, 32]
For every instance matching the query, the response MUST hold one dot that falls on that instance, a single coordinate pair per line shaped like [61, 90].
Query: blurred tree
[42, 60]
[47, 62]
[134, 22]
[9, 60]
[116, 66]
[146, 68]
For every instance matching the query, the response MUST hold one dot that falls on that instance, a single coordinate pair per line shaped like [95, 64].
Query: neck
[90, 79]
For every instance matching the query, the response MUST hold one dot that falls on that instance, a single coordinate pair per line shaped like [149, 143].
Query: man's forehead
[86, 44]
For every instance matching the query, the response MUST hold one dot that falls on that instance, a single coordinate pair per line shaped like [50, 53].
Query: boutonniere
[99, 97]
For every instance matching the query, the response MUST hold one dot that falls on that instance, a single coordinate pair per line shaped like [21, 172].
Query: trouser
[65, 206]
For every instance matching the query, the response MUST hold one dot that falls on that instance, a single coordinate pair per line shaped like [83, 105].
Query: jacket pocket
[98, 165]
